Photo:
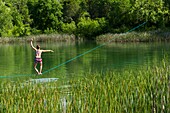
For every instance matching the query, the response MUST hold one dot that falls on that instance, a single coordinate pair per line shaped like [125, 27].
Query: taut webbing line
[74, 57]
[90, 50]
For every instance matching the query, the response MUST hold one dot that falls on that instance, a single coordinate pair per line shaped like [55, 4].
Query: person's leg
[41, 67]
[35, 67]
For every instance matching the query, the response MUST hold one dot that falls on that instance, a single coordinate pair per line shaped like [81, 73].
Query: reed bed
[53, 37]
[39, 38]
[142, 91]
[152, 36]
[146, 90]
[30, 98]
[149, 36]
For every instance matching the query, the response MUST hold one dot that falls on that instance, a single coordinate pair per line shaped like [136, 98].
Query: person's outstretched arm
[47, 51]
[32, 45]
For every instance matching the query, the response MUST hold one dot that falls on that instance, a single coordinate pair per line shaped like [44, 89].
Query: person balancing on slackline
[38, 58]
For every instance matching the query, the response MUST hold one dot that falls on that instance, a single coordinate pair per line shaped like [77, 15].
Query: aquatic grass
[140, 91]
[31, 98]
[150, 36]
[144, 90]
[11, 40]
[39, 38]
[52, 37]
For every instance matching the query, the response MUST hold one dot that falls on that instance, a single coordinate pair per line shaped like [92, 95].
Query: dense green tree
[69, 28]
[167, 17]
[88, 28]
[6, 25]
[98, 8]
[118, 15]
[154, 12]
[46, 14]
[20, 17]
[71, 10]
[85, 18]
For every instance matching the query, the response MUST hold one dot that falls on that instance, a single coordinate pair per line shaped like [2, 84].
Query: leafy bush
[46, 14]
[89, 28]
[69, 28]
[5, 20]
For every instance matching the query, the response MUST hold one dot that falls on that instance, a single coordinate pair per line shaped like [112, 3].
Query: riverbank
[39, 38]
[149, 36]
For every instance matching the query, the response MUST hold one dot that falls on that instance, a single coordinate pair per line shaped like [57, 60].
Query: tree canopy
[83, 18]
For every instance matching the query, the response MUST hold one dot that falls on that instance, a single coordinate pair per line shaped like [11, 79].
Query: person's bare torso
[38, 53]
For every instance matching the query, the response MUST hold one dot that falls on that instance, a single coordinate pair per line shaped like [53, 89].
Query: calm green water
[16, 60]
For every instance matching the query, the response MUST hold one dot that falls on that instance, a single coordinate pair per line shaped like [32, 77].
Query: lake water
[16, 60]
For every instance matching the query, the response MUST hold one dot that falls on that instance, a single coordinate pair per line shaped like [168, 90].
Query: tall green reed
[26, 97]
[144, 90]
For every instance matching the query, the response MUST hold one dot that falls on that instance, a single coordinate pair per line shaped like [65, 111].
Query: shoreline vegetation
[38, 38]
[144, 90]
[84, 18]
[150, 36]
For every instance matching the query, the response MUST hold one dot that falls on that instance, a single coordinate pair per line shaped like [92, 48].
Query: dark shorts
[38, 60]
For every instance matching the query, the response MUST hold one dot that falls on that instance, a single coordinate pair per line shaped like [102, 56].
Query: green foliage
[69, 27]
[152, 11]
[118, 14]
[46, 14]
[21, 19]
[89, 28]
[86, 18]
[5, 20]
[71, 10]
